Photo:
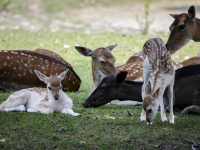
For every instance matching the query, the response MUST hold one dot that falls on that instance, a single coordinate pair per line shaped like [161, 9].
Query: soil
[127, 18]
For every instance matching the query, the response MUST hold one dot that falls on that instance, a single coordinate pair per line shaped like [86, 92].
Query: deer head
[102, 61]
[150, 103]
[184, 28]
[54, 85]
[106, 91]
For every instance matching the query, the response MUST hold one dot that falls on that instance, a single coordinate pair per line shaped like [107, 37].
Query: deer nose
[56, 97]
[167, 46]
[84, 104]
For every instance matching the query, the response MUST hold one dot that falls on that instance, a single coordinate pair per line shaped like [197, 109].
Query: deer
[186, 96]
[185, 27]
[159, 70]
[102, 62]
[17, 69]
[43, 100]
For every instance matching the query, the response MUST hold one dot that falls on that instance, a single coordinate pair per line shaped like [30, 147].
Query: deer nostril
[167, 46]
[56, 97]
[84, 103]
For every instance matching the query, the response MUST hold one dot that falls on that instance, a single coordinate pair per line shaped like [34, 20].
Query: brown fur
[17, 69]
[181, 36]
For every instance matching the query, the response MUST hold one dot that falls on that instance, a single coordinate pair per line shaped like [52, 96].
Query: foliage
[145, 24]
[106, 127]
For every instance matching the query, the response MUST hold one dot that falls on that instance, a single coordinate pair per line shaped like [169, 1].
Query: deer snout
[167, 46]
[56, 97]
[149, 121]
[85, 105]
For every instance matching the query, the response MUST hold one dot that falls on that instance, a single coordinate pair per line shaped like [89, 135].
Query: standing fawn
[184, 28]
[44, 100]
[102, 62]
[158, 69]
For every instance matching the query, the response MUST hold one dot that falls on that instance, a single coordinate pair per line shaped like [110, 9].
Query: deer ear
[148, 89]
[192, 13]
[120, 76]
[41, 76]
[174, 15]
[62, 75]
[84, 51]
[156, 93]
[111, 47]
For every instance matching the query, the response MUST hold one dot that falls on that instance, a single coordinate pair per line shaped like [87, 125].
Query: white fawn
[159, 70]
[44, 100]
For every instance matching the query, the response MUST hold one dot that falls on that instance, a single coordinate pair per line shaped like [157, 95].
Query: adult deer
[44, 100]
[184, 28]
[17, 69]
[102, 62]
[116, 87]
[158, 69]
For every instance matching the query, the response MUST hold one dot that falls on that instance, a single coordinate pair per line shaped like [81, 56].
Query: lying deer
[17, 69]
[44, 100]
[159, 70]
[184, 28]
[102, 62]
[186, 96]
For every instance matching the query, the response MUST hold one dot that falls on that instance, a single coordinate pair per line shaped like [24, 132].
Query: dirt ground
[116, 18]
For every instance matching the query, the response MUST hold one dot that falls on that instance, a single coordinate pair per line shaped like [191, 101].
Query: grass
[106, 127]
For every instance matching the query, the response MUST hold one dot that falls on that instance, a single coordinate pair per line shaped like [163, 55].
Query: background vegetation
[106, 127]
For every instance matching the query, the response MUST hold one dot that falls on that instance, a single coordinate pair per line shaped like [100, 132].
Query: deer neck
[196, 31]
[130, 90]
[96, 74]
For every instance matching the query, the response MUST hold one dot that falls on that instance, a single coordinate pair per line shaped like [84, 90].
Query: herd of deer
[150, 76]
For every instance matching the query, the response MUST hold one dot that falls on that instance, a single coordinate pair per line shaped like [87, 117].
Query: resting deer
[187, 96]
[44, 100]
[17, 69]
[184, 28]
[102, 62]
[158, 69]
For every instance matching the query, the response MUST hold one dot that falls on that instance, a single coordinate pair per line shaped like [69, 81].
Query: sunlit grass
[106, 127]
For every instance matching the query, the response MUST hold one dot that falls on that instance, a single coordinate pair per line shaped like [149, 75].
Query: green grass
[106, 127]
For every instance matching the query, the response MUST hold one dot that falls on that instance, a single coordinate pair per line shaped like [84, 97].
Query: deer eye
[50, 88]
[149, 110]
[103, 63]
[181, 27]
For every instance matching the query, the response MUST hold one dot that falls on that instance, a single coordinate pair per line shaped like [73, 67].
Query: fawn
[159, 70]
[44, 100]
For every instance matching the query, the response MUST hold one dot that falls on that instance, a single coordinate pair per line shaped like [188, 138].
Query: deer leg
[191, 109]
[145, 76]
[69, 111]
[143, 115]
[15, 108]
[31, 110]
[14, 103]
[170, 96]
[43, 109]
[162, 109]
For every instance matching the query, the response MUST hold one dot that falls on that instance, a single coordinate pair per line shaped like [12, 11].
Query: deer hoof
[22, 108]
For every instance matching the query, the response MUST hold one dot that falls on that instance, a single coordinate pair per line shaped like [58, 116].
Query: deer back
[134, 67]
[17, 70]
[160, 62]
